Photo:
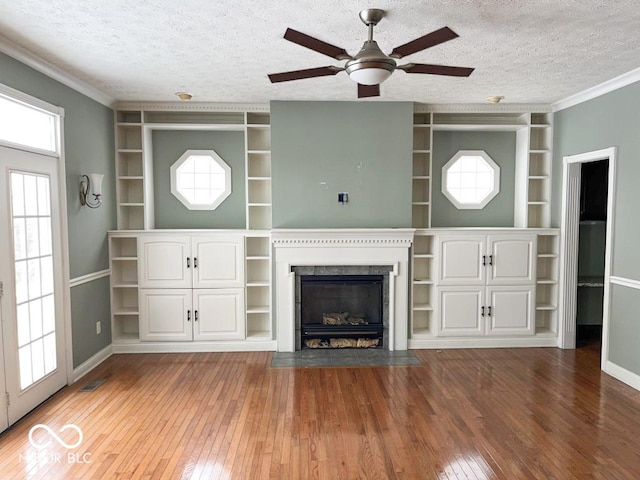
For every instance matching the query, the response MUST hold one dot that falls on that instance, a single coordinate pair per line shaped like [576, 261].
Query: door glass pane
[34, 281]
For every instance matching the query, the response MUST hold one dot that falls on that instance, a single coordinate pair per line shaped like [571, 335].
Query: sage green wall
[611, 120]
[319, 149]
[501, 147]
[89, 148]
[90, 304]
[168, 146]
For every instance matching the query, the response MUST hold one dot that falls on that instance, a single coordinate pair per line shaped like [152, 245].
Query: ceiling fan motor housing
[370, 57]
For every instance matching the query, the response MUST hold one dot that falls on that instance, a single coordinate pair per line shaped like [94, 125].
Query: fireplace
[317, 252]
[341, 311]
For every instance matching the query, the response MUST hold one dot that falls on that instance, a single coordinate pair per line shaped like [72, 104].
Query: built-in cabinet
[174, 288]
[484, 287]
[486, 284]
[191, 287]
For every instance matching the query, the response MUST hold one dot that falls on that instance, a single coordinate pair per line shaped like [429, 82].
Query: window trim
[496, 180]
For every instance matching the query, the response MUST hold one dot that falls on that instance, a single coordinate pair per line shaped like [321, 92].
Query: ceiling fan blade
[302, 74]
[427, 41]
[437, 69]
[365, 91]
[316, 45]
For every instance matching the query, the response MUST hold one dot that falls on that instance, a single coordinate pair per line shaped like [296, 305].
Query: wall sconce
[91, 183]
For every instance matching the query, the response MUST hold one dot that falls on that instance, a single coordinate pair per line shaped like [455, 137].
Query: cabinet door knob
[482, 311]
[188, 315]
[490, 262]
[195, 315]
[188, 262]
[484, 260]
[195, 262]
[489, 312]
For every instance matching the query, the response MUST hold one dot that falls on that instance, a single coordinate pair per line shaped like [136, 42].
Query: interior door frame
[572, 164]
[62, 198]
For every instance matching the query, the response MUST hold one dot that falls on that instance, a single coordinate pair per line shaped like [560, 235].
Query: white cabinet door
[461, 259]
[219, 314]
[165, 262]
[460, 311]
[511, 259]
[512, 310]
[218, 261]
[166, 315]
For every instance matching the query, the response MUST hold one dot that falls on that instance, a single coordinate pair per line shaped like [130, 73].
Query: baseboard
[445, 343]
[194, 347]
[622, 374]
[92, 363]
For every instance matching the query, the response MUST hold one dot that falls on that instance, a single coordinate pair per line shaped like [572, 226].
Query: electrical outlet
[98, 328]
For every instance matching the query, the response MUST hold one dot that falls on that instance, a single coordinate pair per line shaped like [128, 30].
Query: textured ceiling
[221, 51]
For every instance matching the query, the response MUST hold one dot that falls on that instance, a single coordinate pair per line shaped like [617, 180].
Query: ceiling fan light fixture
[370, 66]
[370, 75]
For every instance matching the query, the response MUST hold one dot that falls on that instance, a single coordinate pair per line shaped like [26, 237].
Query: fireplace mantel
[327, 247]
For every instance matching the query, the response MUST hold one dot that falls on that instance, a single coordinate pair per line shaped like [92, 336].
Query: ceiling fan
[370, 66]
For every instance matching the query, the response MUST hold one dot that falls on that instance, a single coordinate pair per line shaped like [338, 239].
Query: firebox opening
[341, 311]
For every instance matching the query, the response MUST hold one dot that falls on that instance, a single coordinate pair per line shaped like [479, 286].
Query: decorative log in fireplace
[341, 311]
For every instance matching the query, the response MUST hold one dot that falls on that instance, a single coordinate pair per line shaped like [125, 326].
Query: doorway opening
[591, 253]
[587, 229]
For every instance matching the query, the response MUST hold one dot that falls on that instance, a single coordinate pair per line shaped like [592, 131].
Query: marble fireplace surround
[342, 247]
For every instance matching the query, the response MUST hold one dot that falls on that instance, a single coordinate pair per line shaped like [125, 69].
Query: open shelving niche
[134, 125]
[423, 270]
[533, 126]
[547, 285]
[123, 254]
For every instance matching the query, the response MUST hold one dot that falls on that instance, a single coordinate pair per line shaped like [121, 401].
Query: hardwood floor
[463, 414]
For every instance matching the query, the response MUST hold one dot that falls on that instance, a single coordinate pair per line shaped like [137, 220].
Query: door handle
[484, 260]
[195, 262]
[482, 312]
[490, 262]
[195, 315]
[188, 315]
[489, 312]
[188, 262]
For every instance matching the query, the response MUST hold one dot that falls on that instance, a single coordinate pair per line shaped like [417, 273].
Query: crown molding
[193, 106]
[24, 56]
[593, 92]
[481, 108]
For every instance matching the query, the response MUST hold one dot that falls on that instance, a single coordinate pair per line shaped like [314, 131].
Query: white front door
[31, 266]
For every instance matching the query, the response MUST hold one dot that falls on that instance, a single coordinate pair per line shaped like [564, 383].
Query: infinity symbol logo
[53, 434]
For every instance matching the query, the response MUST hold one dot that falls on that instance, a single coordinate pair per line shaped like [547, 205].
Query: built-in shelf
[123, 255]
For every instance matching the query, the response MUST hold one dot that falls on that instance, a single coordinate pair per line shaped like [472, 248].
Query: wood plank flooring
[462, 414]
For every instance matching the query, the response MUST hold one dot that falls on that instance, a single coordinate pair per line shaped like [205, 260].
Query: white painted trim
[625, 282]
[31, 60]
[92, 363]
[568, 280]
[482, 108]
[194, 106]
[29, 100]
[622, 374]
[480, 342]
[189, 347]
[598, 90]
[89, 277]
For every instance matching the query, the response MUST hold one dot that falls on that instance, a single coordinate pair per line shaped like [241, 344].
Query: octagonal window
[201, 179]
[471, 179]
